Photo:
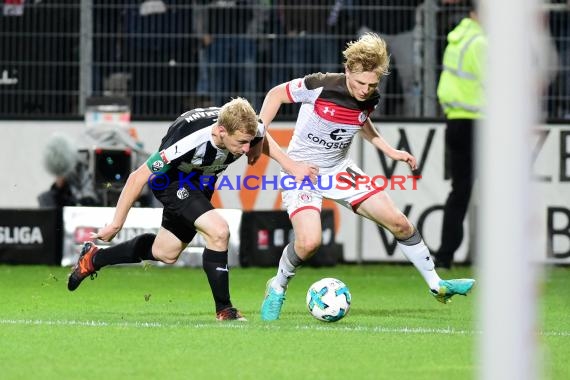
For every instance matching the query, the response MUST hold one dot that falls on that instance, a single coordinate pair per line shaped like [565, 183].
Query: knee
[164, 256]
[306, 246]
[219, 238]
[402, 228]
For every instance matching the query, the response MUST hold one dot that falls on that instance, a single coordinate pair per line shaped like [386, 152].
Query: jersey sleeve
[305, 90]
[157, 163]
[260, 134]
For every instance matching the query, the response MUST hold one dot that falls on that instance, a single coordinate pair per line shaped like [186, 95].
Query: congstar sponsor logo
[336, 136]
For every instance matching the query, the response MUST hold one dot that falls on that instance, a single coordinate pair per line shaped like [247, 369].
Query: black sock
[130, 251]
[215, 264]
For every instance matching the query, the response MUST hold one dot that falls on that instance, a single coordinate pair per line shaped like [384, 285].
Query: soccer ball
[328, 300]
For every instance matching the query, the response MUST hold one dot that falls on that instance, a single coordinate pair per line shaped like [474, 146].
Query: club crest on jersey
[305, 197]
[362, 117]
[157, 165]
[182, 193]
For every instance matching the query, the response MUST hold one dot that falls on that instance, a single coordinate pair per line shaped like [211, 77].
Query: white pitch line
[267, 326]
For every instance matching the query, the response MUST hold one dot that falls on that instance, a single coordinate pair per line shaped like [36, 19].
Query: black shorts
[181, 209]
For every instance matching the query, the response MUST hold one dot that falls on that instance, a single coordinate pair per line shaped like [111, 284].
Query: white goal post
[506, 272]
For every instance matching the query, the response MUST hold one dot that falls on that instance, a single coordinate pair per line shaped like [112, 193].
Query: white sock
[419, 255]
[288, 265]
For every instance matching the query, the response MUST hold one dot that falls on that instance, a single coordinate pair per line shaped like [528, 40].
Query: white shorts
[337, 184]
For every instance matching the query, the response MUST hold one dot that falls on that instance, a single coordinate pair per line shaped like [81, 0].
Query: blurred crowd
[172, 55]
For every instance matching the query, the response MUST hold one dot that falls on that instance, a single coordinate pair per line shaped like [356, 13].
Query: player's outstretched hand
[402, 155]
[302, 170]
[106, 233]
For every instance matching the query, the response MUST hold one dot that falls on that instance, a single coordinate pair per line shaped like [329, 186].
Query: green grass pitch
[158, 323]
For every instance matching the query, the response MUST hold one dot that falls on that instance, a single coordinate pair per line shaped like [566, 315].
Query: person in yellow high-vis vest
[460, 93]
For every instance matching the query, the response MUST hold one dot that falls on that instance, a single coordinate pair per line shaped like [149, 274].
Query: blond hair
[369, 53]
[238, 115]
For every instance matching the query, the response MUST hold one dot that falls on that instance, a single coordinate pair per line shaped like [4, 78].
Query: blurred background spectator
[160, 52]
[395, 22]
[307, 38]
[559, 91]
[229, 38]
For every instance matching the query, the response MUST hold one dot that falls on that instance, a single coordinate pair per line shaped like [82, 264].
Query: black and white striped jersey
[188, 146]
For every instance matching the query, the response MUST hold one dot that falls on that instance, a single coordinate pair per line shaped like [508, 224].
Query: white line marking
[267, 326]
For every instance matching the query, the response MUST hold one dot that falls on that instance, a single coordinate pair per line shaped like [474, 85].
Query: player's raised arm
[299, 170]
[271, 105]
[272, 102]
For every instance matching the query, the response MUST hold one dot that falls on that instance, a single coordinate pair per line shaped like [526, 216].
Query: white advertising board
[551, 187]
[80, 221]
[421, 201]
